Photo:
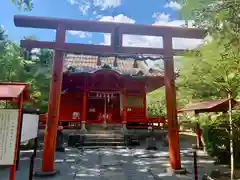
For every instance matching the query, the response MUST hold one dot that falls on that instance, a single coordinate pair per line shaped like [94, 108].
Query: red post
[125, 106]
[53, 105]
[170, 93]
[198, 133]
[145, 103]
[84, 110]
[13, 167]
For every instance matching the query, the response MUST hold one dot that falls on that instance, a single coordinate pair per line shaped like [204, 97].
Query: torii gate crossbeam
[117, 31]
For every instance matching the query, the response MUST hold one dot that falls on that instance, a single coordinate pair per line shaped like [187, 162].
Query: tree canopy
[25, 5]
[35, 71]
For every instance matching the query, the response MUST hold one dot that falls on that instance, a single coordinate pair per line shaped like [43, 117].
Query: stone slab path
[117, 164]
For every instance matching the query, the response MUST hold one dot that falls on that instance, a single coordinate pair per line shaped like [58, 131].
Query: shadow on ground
[118, 164]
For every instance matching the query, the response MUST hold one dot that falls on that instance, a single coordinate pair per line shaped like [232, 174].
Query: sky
[161, 12]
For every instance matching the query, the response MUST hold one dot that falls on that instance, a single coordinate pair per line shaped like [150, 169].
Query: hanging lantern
[135, 64]
[115, 64]
[99, 62]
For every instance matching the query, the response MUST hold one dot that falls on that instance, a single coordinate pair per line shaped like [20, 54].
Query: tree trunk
[231, 136]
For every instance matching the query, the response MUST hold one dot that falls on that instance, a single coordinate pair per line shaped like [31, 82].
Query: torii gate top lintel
[107, 27]
[117, 30]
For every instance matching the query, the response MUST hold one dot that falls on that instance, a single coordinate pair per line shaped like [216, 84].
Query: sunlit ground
[117, 164]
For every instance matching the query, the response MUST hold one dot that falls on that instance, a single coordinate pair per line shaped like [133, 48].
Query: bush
[215, 133]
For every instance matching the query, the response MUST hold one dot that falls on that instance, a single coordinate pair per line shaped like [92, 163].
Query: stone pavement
[118, 164]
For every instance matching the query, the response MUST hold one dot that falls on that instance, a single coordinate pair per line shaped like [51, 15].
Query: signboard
[8, 134]
[29, 127]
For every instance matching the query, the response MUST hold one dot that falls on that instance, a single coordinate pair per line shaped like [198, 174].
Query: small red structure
[219, 105]
[117, 30]
[14, 92]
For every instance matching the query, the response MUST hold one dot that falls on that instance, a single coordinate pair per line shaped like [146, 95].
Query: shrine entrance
[104, 107]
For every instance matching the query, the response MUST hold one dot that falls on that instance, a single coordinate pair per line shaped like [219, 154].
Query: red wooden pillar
[170, 93]
[198, 133]
[125, 106]
[124, 113]
[84, 110]
[53, 106]
[145, 103]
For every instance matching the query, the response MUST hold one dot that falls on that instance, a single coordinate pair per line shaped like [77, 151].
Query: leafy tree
[221, 18]
[26, 5]
[156, 103]
[3, 40]
[213, 72]
[35, 70]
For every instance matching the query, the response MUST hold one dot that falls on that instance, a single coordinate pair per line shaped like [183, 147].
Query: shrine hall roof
[91, 63]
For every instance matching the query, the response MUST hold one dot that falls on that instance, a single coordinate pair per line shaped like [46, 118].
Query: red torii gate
[117, 30]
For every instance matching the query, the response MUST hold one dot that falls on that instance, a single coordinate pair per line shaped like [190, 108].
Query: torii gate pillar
[170, 93]
[48, 157]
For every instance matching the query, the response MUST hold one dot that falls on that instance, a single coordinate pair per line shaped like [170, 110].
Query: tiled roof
[90, 63]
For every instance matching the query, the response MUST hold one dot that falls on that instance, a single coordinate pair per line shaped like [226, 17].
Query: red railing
[133, 122]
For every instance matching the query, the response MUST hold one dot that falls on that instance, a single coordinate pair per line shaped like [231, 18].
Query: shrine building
[106, 90]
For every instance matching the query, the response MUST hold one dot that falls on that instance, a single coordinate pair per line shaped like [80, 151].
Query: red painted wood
[170, 92]
[71, 102]
[90, 48]
[107, 27]
[198, 133]
[67, 47]
[54, 106]
[108, 82]
[124, 113]
[145, 127]
[84, 108]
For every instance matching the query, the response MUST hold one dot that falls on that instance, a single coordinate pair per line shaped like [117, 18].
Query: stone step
[104, 139]
[102, 147]
[102, 143]
[88, 135]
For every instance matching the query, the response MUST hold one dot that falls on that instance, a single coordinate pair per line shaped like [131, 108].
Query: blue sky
[140, 11]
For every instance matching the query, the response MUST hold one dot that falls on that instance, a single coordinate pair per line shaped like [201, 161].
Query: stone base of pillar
[105, 124]
[151, 143]
[41, 174]
[124, 127]
[197, 147]
[171, 172]
[83, 129]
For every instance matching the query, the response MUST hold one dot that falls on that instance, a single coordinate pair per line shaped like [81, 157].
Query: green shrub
[215, 132]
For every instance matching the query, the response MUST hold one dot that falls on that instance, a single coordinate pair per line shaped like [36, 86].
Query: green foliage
[26, 5]
[221, 18]
[35, 71]
[216, 137]
[211, 73]
[156, 103]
